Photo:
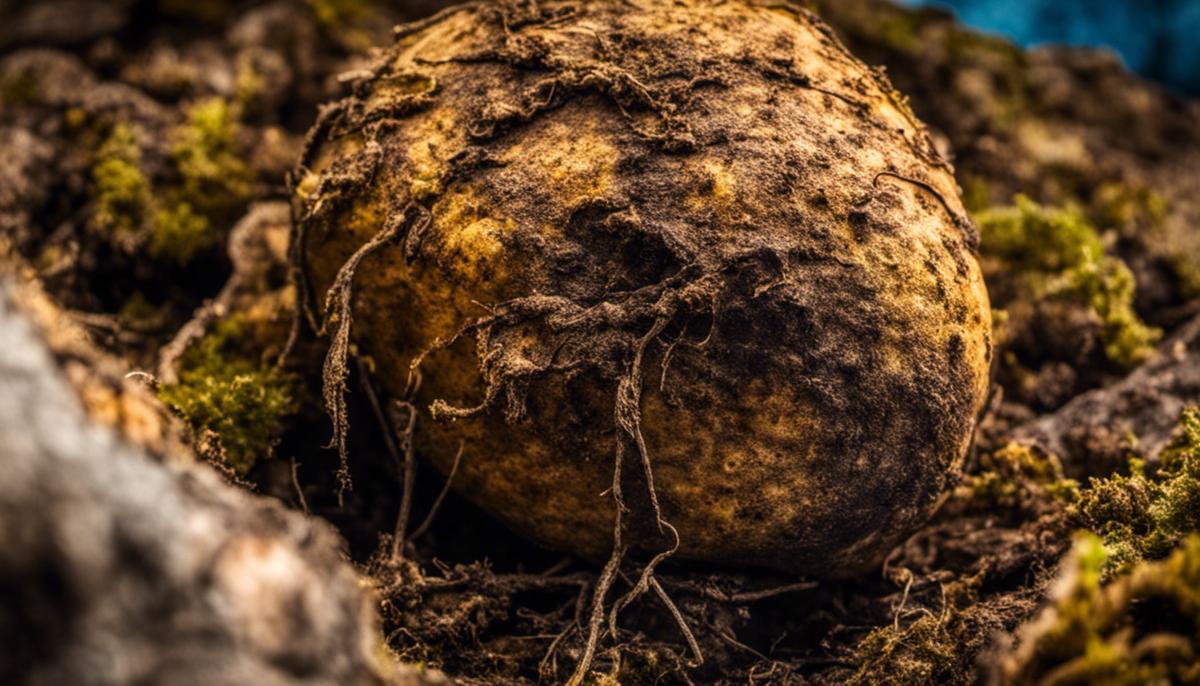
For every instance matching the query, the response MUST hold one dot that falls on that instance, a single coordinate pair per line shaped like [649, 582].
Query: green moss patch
[1016, 474]
[1142, 628]
[122, 190]
[178, 217]
[204, 151]
[179, 233]
[920, 652]
[1144, 517]
[1054, 254]
[243, 401]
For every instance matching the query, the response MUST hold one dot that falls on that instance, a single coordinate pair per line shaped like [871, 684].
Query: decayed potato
[695, 240]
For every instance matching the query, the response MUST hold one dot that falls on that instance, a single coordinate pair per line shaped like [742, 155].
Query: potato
[696, 244]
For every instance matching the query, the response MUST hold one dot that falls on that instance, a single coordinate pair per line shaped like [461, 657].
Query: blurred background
[1155, 38]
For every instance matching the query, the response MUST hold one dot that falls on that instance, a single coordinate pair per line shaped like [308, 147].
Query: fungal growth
[680, 278]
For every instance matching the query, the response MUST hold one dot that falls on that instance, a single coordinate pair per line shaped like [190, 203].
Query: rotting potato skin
[776, 209]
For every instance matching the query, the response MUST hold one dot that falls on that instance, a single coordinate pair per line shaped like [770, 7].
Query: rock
[116, 568]
[1094, 432]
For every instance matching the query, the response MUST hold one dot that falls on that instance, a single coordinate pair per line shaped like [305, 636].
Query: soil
[199, 113]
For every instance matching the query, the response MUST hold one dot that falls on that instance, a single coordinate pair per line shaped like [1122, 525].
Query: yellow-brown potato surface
[703, 220]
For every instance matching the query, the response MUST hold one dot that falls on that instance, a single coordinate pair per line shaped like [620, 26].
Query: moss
[1008, 477]
[1127, 207]
[918, 653]
[179, 233]
[925, 650]
[1141, 516]
[172, 220]
[1037, 240]
[249, 84]
[1107, 286]
[122, 192]
[215, 179]
[1047, 253]
[243, 401]
[1186, 444]
[213, 186]
[1186, 265]
[1075, 628]
[1141, 628]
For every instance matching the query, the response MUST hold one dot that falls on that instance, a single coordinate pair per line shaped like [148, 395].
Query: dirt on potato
[744, 268]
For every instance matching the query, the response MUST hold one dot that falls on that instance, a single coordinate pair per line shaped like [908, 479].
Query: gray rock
[1094, 432]
[116, 568]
